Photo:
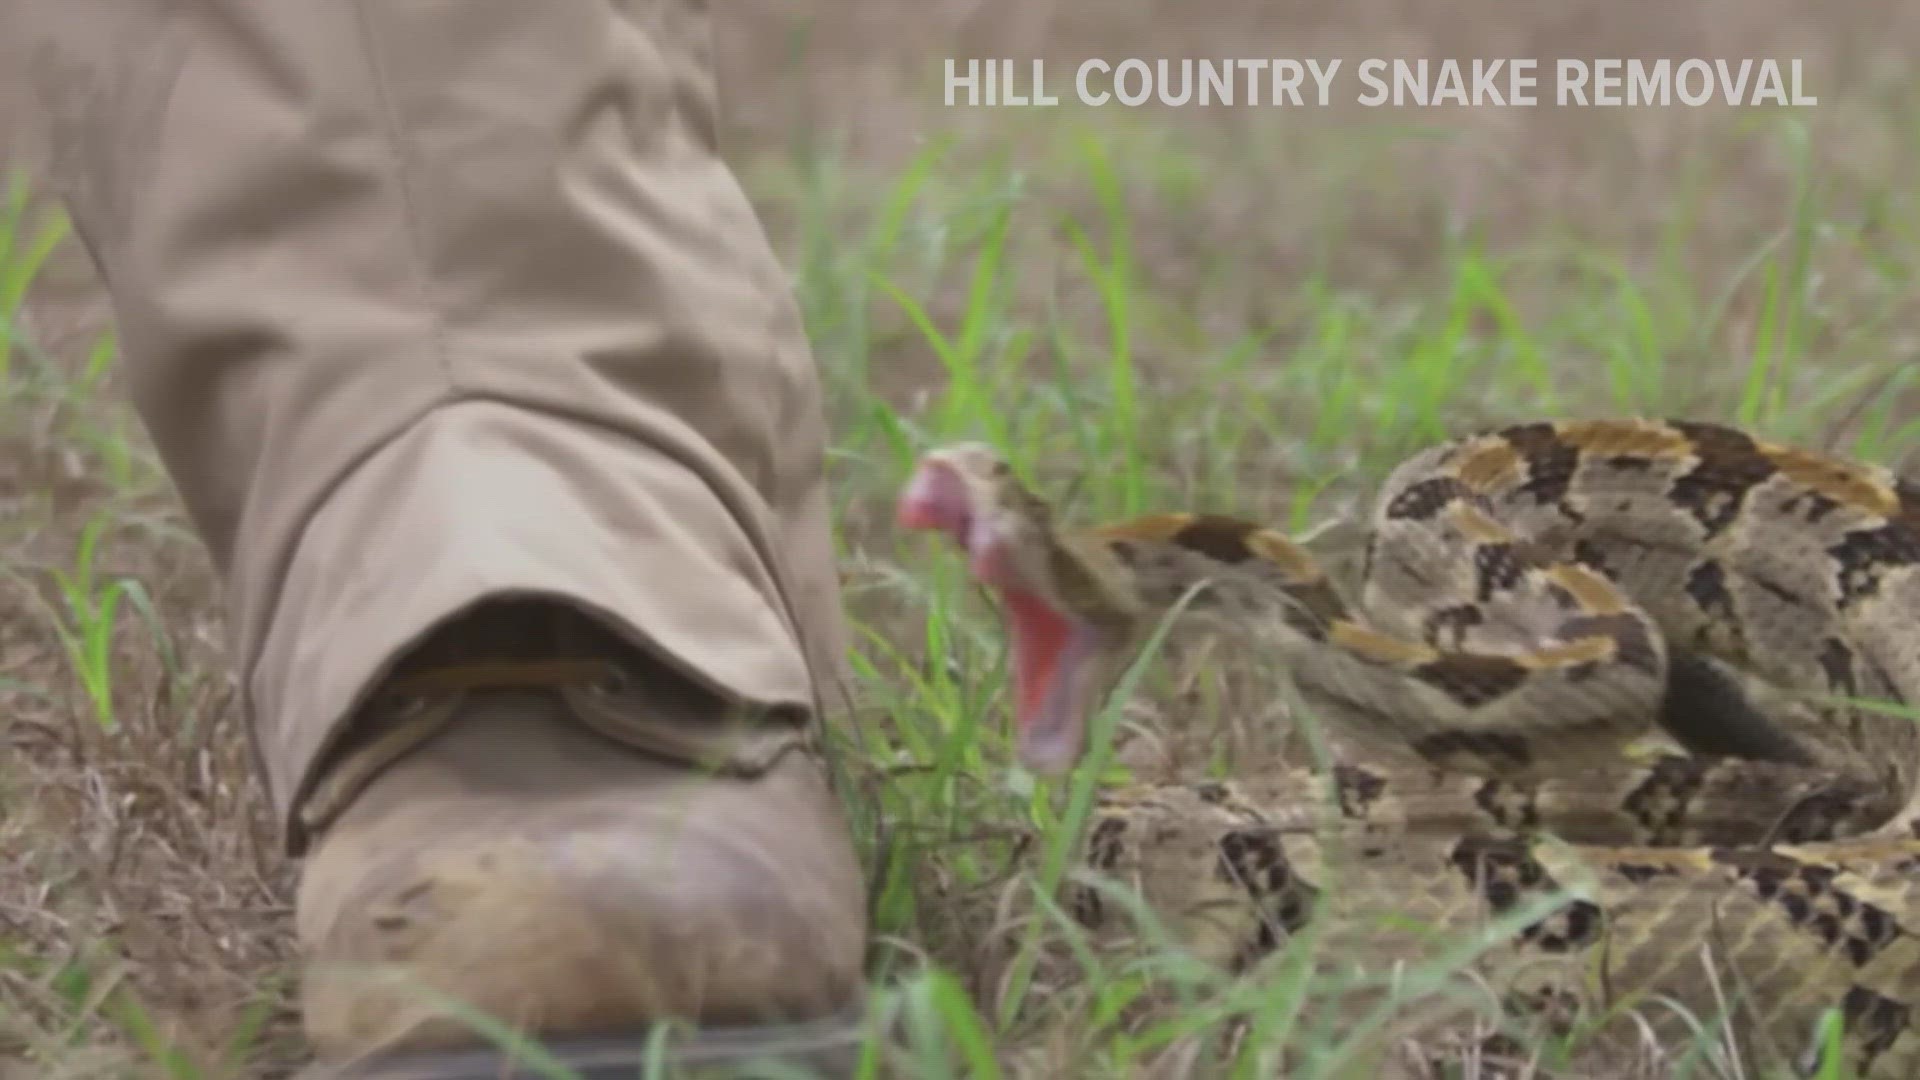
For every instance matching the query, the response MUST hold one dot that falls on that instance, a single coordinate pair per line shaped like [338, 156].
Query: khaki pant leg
[426, 302]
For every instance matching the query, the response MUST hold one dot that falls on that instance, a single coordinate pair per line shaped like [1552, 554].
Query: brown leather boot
[574, 841]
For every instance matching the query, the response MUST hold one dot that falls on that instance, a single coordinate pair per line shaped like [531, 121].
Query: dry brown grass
[143, 901]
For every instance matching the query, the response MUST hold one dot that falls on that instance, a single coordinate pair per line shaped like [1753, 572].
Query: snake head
[1068, 609]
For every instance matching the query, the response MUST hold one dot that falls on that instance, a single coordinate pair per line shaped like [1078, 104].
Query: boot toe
[561, 884]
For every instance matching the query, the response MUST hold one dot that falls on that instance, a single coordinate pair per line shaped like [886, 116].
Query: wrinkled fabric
[424, 302]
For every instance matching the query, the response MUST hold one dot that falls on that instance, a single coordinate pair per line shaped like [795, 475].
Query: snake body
[1614, 682]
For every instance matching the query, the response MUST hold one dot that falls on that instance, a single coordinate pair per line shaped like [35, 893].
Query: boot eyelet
[404, 706]
[610, 683]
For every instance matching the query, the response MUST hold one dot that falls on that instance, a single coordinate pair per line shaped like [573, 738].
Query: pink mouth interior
[1047, 646]
[936, 498]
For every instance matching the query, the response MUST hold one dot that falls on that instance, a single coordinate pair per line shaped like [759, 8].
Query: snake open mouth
[1050, 649]
[1049, 656]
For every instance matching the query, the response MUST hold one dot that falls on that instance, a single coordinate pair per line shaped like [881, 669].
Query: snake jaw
[942, 497]
[1051, 656]
[955, 492]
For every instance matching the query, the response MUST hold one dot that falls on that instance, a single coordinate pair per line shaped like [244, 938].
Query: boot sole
[829, 1049]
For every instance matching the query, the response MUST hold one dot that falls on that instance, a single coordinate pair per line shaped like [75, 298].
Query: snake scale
[1612, 679]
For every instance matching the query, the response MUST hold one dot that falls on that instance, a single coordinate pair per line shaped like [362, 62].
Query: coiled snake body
[1618, 681]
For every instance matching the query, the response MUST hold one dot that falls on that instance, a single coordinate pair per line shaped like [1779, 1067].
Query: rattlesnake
[1608, 654]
